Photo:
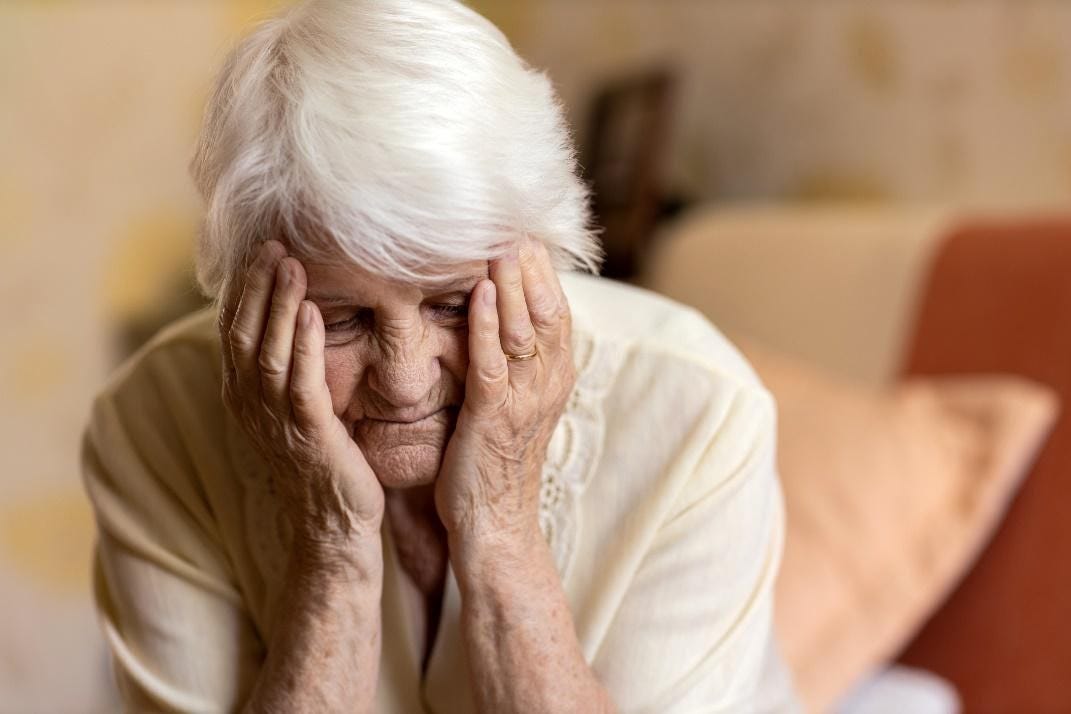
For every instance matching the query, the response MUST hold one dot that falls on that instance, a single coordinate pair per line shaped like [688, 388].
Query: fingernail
[306, 314]
[489, 294]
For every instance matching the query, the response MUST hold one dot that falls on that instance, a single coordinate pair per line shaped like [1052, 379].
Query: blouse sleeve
[180, 637]
[694, 633]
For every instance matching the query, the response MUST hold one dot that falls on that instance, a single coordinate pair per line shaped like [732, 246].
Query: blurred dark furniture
[623, 160]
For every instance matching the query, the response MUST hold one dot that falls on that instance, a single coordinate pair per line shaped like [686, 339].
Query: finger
[565, 313]
[541, 294]
[487, 381]
[228, 305]
[515, 326]
[247, 329]
[231, 296]
[310, 399]
[277, 348]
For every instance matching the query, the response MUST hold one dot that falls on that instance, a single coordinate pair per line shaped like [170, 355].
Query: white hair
[404, 135]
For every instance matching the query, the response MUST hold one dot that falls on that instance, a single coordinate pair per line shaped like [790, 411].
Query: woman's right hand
[274, 382]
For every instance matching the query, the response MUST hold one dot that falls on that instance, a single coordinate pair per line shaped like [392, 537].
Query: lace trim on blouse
[575, 447]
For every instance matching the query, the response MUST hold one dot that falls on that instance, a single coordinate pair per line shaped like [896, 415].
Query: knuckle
[492, 375]
[518, 336]
[303, 351]
[302, 442]
[270, 366]
[240, 339]
[545, 312]
[541, 297]
[302, 396]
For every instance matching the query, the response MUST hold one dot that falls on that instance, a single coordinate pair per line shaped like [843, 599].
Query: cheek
[455, 354]
[342, 369]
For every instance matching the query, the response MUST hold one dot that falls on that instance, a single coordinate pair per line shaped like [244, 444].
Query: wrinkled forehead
[462, 276]
[345, 282]
[328, 263]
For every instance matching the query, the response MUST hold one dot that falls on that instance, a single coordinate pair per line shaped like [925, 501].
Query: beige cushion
[835, 285]
[891, 493]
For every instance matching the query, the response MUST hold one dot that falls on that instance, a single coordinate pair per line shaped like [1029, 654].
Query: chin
[405, 466]
[405, 455]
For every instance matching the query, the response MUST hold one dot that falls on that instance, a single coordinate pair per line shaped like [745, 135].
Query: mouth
[443, 414]
[409, 421]
[432, 429]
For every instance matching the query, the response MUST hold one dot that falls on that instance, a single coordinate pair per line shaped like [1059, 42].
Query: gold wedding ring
[520, 358]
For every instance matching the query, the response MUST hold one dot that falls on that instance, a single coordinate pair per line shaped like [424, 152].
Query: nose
[405, 369]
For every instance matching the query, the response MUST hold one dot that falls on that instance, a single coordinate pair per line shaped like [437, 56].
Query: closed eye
[360, 319]
[364, 318]
[451, 311]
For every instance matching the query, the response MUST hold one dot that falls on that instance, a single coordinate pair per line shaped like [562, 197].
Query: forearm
[522, 648]
[324, 653]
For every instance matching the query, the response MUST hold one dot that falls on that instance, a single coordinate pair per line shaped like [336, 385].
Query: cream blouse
[660, 502]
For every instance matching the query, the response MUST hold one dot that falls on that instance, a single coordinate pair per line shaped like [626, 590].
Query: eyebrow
[463, 285]
[331, 300]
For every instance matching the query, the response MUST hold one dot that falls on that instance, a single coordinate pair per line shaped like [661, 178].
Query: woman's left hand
[489, 480]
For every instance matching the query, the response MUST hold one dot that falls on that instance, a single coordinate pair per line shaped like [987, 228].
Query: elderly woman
[409, 461]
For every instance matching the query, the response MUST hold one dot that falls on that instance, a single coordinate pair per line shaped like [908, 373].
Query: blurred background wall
[894, 99]
[965, 101]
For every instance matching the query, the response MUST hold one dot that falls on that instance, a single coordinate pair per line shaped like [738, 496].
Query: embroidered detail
[575, 447]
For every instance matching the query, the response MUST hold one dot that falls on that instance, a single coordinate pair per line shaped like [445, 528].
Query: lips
[437, 421]
[411, 421]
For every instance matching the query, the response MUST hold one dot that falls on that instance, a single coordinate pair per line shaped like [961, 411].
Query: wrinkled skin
[348, 384]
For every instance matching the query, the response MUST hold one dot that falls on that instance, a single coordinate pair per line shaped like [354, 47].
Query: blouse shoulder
[660, 328]
[185, 348]
[153, 432]
[169, 390]
[657, 386]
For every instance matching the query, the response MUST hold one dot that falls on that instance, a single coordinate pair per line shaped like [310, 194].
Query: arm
[182, 640]
[522, 648]
[324, 655]
[181, 637]
[694, 632]
[523, 652]
[173, 613]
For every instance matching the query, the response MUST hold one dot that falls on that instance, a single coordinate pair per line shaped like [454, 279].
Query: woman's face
[396, 357]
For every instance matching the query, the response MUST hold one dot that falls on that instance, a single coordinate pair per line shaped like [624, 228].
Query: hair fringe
[404, 136]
